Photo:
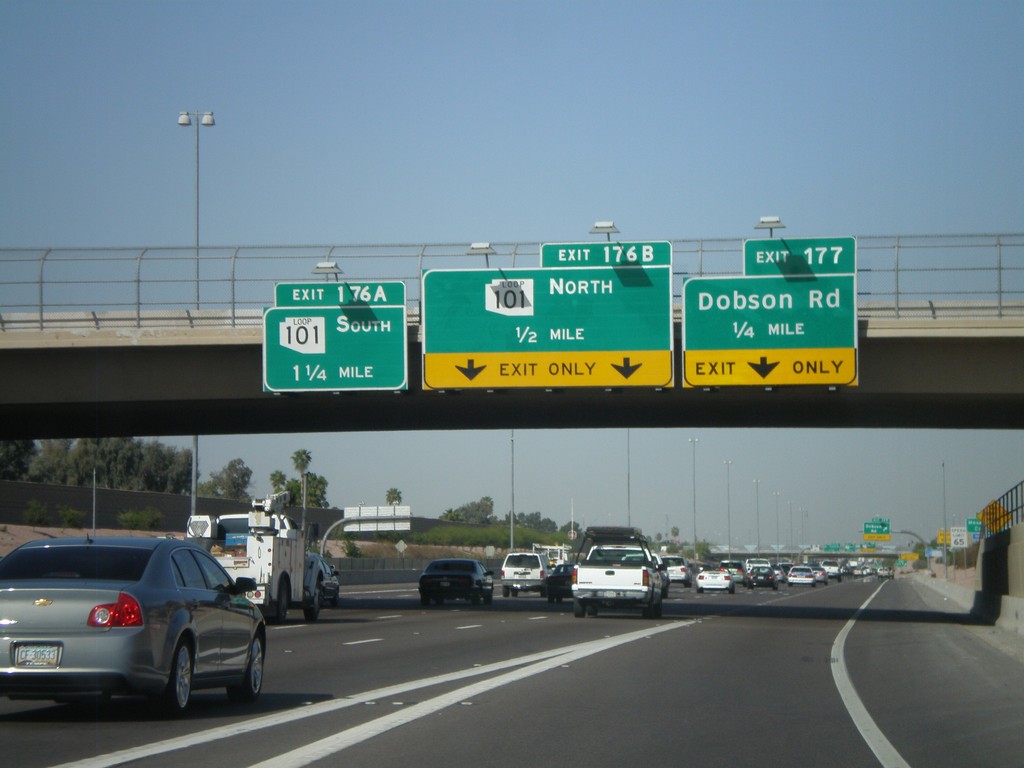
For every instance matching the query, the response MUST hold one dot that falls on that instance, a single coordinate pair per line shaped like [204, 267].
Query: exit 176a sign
[335, 337]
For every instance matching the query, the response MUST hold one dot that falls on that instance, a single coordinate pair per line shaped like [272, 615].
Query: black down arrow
[626, 369]
[470, 371]
[763, 368]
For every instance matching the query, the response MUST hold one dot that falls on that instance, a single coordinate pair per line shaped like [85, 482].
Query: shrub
[36, 514]
[148, 519]
[70, 518]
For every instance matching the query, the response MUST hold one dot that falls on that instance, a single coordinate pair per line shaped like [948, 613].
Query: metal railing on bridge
[900, 276]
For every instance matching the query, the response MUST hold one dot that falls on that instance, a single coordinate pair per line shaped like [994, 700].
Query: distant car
[833, 569]
[663, 575]
[321, 581]
[753, 562]
[93, 618]
[737, 569]
[559, 583]
[884, 572]
[456, 579]
[523, 572]
[820, 574]
[715, 578]
[762, 576]
[678, 570]
[801, 574]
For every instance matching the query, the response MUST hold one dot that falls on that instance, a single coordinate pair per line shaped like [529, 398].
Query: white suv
[523, 572]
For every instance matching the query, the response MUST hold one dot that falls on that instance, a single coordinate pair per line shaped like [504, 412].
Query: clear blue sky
[384, 122]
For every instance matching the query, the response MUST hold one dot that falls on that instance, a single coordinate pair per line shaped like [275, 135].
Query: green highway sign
[770, 330]
[878, 525]
[973, 525]
[800, 256]
[617, 254]
[769, 312]
[360, 345]
[549, 327]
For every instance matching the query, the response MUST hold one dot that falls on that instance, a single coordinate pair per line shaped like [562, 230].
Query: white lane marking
[331, 745]
[470, 626]
[313, 710]
[869, 730]
[392, 616]
[363, 642]
[537, 618]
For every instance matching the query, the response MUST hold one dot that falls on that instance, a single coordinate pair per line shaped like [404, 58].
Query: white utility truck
[263, 544]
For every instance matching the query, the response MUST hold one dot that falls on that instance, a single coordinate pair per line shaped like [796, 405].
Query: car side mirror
[244, 584]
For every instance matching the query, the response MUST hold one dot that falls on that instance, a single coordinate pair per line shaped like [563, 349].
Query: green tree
[231, 482]
[393, 497]
[278, 480]
[50, 463]
[15, 458]
[477, 512]
[316, 490]
[302, 459]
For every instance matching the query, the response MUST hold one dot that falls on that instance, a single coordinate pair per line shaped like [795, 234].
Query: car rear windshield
[522, 561]
[452, 565]
[88, 561]
[616, 556]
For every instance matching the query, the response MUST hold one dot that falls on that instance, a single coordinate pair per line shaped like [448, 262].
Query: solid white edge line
[869, 730]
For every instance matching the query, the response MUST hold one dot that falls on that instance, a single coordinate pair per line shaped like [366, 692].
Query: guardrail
[930, 276]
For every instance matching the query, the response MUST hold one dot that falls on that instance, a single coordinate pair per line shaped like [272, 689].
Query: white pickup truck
[614, 568]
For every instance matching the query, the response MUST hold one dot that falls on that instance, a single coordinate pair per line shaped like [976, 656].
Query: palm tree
[302, 459]
[393, 497]
[278, 480]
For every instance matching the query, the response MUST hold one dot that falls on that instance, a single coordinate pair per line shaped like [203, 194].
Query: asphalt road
[764, 678]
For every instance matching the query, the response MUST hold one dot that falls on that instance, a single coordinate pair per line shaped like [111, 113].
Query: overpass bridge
[163, 341]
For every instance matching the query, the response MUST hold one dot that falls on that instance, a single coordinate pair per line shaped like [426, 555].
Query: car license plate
[445, 583]
[611, 593]
[37, 656]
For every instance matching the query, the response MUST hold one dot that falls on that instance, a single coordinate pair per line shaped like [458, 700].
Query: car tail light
[647, 578]
[126, 612]
[574, 574]
[502, 573]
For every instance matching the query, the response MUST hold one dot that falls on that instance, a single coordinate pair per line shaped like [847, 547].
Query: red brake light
[126, 612]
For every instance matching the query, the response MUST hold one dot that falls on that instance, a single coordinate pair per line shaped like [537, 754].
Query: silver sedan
[99, 617]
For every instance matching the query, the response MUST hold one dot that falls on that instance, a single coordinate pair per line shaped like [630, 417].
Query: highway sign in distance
[309, 347]
[878, 525]
[877, 537]
[548, 328]
[617, 254]
[804, 256]
[742, 331]
[958, 537]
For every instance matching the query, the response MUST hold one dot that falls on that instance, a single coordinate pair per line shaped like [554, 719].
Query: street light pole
[778, 539]
[185, 120]
[693, 443]
[757, 513]
[728, 507]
